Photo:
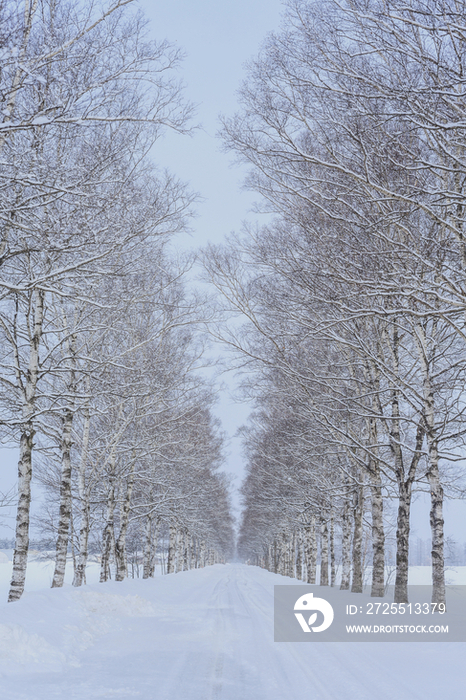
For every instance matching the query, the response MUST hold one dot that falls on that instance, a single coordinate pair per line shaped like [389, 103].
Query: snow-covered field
[205, 634]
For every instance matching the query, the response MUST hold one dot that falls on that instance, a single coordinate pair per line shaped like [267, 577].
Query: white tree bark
[402, 543]
[120, 544]
[194, 553]
[358, 511]
[333, 570]
[346, 547]
[29, 389]
[299, 555]
[202, 554]
[378, 534]
[311, 551]
[85, 507]
[22, 516]
[65, 503]
[108, 535]
[275, 557]
[151, 532]
[186, 555]
[179, 548]
[172, 537]
[433, 474]
[64, 514]
[292, 555]
[323, 553]
[283, 555]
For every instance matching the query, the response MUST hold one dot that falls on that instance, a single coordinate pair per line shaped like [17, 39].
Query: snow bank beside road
[19, 647]
[46, 631]
[39, 575]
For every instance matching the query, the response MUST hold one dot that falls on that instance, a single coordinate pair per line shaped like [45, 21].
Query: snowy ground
[39, 573]
[200, 635]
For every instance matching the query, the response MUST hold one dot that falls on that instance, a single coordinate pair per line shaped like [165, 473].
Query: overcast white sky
[218, 38]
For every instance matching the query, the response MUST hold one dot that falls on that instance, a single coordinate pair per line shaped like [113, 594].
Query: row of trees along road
[352, 123]
[98, 349]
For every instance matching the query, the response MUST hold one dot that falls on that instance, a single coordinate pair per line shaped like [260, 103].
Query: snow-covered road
[200, 635]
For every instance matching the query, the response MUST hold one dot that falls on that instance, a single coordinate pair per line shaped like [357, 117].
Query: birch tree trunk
[356, 584]
[375, 483]
[433, 474]
[378, 535]
[171, 549]
[292, 555]
[72, 543]
[84, 497]
[150, 546]
[284, 557]
[275, 557]
[404, 485]
[202, 554]
[186, 552]
[120, 544]
[270, 558]
[108, 535]
[436, 526]
[283, 554]
[29, 390]
[311, 551]
[64, 515]
[323, 553]
[65, 503]
[194, 552]
[81, 564]
[299, 556]
[22, 516]
[402, 543]
[179, 548]
[403, 520]
[346, 547]
[333, 570]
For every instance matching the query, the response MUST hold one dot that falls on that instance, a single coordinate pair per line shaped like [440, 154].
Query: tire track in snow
[216, 677]
[289, 666]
